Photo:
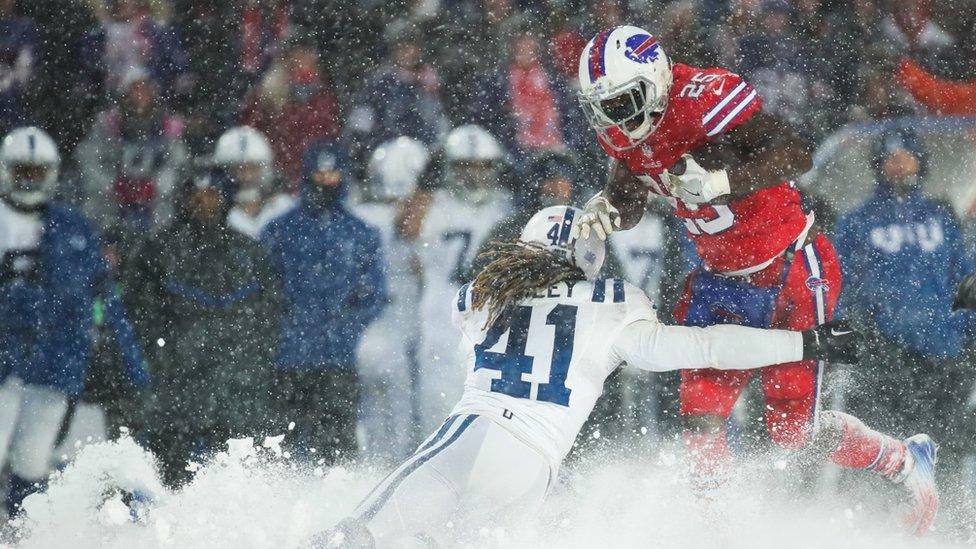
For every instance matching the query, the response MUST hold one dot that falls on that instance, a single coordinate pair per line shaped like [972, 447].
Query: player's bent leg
[87, 425]
[792, 394]
[707, 398]
[10, 401]
[850, 443]
[461, 464]
[42, 411]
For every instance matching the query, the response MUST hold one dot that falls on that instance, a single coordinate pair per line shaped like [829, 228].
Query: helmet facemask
[635, 109]
[474, 178]
[252, 181]
[29, 185]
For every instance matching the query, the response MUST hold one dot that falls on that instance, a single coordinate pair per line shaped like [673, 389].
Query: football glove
[834, 342]
[599, 216]
[696, 185]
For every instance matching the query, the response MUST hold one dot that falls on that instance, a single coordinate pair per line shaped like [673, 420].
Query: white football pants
[88, 425]
[30, 418]
[470, 465]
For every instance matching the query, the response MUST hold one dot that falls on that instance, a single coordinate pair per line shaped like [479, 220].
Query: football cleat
[918, 477]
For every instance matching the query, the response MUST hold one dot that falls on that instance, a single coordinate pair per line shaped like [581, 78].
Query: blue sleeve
[117, 319]
[270, 239]
[851, 257]
[960, 264]
[125, 337]
[961, 261]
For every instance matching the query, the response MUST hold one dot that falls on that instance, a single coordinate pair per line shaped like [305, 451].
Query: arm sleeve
[372, 289]
[847, 244]
[118, 321]
[727, 102]
[135, 366]
[942, 96]
[650, 345]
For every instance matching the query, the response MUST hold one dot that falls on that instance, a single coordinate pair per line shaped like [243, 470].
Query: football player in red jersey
[698, 138]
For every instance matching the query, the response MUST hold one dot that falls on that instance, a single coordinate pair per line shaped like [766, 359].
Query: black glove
[834, 342]
[965, 293]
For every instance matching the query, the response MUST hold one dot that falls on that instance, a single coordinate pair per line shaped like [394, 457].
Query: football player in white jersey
[385, 354]
[244, 153]
[541, 332]
[463, 209]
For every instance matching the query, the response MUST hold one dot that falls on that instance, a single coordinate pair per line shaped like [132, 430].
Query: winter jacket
[130, 174]
[46, 325]
[939, 95]
[901, 259]
[395, 106]
[331, 268]
[206, 307]
[18, 44]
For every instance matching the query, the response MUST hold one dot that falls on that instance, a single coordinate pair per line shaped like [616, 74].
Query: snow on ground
[252, 496]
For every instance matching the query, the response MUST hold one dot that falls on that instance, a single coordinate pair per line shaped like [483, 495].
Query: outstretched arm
[657, 347]
[650, 345]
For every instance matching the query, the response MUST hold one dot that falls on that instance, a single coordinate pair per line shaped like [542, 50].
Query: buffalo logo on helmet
[642, 48]
[815, 283]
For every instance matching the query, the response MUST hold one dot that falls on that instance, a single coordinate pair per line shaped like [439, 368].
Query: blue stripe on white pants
[431, 440]
[445, 436]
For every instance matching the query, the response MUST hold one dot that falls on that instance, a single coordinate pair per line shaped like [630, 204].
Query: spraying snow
[252, 495]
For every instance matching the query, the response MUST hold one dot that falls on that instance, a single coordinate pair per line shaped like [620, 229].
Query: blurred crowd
[250, 216]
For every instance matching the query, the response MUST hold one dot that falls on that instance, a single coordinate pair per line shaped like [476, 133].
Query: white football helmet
[474, 160]
[625, 78]
[552, 227]
[246, 151]
[395, 167]
[472, 143]
[29, 162]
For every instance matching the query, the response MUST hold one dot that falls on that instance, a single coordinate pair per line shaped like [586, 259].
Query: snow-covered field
[252, 496]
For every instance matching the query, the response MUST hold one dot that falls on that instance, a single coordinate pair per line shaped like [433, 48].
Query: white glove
[598, 215]
[698, 185]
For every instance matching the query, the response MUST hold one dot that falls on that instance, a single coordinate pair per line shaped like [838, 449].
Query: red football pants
[808, 297]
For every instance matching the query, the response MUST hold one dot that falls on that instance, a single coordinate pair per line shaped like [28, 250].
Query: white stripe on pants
[30, 418]
[470, 464]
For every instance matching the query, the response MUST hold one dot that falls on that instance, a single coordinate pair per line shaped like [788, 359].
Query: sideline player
[244, 153]
[698, 138]
[385, 355]
[460, 213]
[541, 333]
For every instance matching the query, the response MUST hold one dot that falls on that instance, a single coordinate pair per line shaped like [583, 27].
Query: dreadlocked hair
[516, 271]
